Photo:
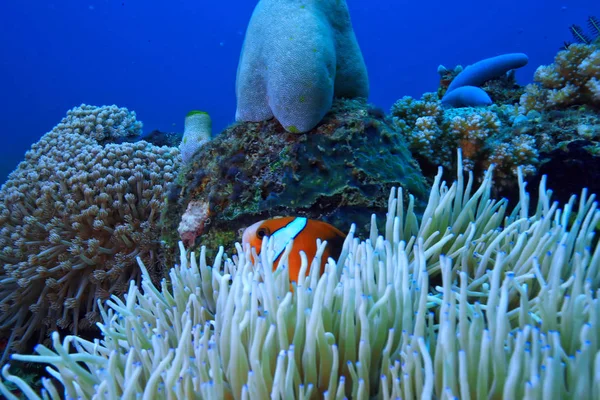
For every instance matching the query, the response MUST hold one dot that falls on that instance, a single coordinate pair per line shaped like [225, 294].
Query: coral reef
[504, 89]
[74, 216]
[540, 142]
[296, 57]
[549, 127]
[568, 143]
[573, 79]
[103, 124]
[459, 296]
[339, 171]
[484, 134]
[515, 314]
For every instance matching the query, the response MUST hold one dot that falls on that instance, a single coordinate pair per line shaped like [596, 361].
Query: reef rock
[339, 172]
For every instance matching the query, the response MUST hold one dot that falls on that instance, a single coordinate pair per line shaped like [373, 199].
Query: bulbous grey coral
[74, 215]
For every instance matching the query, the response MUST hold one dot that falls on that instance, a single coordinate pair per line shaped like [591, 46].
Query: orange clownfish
[304, 232]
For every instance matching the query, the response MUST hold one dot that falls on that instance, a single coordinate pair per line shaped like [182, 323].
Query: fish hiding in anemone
[304, 232]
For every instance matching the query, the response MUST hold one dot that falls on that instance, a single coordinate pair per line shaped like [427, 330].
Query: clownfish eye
[262, 232]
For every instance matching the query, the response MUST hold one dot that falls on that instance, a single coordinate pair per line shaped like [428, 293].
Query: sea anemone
[515, 313]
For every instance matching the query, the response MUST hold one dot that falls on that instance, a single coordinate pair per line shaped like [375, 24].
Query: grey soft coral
[298, 55]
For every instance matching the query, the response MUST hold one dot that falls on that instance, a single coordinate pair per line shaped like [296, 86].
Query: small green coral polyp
[195, 112]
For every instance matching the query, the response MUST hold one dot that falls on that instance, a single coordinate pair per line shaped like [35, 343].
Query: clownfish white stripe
[282, 237]
[304, 232]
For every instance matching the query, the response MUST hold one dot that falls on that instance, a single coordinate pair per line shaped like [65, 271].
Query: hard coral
[486, 135]
[103, 124]
[472, 130]
[571, 80]
[407, 110]
[75, 214]
[434, 133]
[520, 151]
[568, 143]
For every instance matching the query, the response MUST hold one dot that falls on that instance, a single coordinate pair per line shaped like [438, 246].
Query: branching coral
[434, 133]
[407, 110]
[516, 314]
[420, 121]
[571, 80]
[471, 131]
[74, 216]
[520, 151]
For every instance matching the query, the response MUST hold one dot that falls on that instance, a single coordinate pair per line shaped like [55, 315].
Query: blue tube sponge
[467, 96]
[297, 55]
[480, 72]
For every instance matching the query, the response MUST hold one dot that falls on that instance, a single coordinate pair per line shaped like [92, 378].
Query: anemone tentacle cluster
[74, 216]
[473, 301]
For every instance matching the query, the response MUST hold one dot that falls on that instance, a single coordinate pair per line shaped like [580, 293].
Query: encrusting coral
[472, 301]
[74, 216]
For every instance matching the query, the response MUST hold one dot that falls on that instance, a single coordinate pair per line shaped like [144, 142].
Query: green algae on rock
[341, 171]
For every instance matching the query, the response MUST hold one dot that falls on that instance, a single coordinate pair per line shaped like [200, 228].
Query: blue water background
[164, 58]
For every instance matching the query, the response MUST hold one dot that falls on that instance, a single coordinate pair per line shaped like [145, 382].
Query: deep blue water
[163, 58]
